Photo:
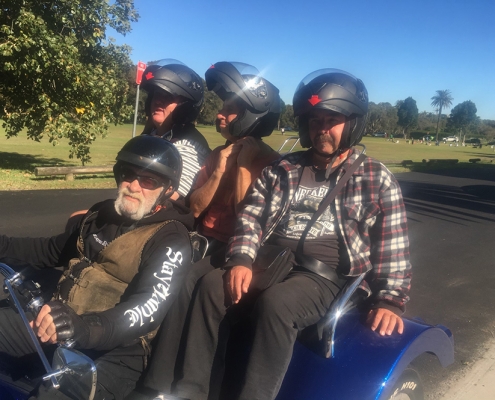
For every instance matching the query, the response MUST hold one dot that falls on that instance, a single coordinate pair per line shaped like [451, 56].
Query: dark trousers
[117, 370]
[165, 364]
[277, 316]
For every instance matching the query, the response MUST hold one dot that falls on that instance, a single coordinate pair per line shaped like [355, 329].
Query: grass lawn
[19, 156]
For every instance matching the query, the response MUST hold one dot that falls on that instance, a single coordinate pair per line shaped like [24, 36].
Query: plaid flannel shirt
[371, 217]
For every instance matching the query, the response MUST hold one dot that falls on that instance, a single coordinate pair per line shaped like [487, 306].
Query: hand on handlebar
[44, 327]
[57, 322]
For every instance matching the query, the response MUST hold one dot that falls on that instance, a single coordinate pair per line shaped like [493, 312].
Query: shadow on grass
[457, 204]
[483, 155]
[477, 154]
[27, 162]
[484, 172]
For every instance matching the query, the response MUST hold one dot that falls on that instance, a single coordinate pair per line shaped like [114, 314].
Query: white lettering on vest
[104, 243]
[138, 314]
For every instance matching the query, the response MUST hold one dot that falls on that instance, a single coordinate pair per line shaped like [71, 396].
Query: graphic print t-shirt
[321, 240]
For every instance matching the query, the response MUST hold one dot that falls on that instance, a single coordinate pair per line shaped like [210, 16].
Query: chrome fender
[365, 365]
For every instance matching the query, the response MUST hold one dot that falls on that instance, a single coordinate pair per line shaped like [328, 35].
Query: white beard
[131, 209]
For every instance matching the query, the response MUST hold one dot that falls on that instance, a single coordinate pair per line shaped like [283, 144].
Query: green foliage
[61, 79]
[374, 121]
[408, 114]
[463, 117]
[211, 106]
[283, 107]
[487, 129]
[382, 117]
[427, 121]
[287, 118]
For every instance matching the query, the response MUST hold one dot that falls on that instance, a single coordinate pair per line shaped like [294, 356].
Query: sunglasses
[146, 182]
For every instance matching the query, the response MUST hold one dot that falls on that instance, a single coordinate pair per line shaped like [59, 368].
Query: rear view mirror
[78, 377]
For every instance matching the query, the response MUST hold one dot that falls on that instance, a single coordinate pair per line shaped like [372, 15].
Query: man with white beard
[123, 264]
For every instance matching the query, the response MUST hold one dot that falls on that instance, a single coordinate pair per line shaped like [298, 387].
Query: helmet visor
[168, 61]
[245, 69]
[238, 78]
[315, 74]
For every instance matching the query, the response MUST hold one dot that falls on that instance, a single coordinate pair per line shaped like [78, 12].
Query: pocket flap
[362, 211]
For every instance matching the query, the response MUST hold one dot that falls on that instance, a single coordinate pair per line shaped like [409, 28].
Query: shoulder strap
[328, 199]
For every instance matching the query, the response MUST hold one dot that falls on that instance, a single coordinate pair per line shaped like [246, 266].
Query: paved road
[479, 382]
[451, 222]
[452, 231]
[44, 212]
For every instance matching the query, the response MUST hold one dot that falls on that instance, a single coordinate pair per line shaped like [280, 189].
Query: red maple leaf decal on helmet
[149, 76]
[314, 100]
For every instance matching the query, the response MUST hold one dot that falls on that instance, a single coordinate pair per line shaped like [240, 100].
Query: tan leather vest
[100, 286]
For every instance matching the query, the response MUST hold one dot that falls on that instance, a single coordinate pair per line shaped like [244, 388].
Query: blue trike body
[365, 365]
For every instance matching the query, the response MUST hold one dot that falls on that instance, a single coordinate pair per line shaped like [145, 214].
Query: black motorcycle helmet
[175, 78]
[335, 90]
[260, 97]
[154, 154]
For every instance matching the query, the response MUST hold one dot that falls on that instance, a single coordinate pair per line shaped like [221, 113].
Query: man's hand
[57, 322]
[249, 150]
[227, 158]
[386, 320]
[238, 281]
[44, 327]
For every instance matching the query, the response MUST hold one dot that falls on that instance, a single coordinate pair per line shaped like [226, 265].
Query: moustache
[126, 192]
[323, 139]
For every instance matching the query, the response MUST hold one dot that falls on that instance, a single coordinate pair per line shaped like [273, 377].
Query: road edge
[476, 382]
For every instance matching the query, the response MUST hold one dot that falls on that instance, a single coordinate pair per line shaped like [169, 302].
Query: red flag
[139, 72]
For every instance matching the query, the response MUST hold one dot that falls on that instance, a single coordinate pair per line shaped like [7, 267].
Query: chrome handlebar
[12, 280]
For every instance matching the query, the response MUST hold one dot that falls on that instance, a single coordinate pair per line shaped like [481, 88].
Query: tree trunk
[438, 120]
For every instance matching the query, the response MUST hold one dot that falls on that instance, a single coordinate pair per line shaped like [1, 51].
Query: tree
[463, 117]
[61, 78]
[442, 99]
[374, 120]
[390, 118]
[407, 113]
[427, 121]
[212, 104]
[287, 118]
[283, 109]
[382, 117]
[487, 129]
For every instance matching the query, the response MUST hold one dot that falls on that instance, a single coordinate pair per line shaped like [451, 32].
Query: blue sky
[398, 48]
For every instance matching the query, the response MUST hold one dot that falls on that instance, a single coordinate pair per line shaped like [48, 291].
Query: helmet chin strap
[159, 202]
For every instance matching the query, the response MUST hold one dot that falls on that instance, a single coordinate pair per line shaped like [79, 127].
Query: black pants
[117, 370]
[168, 346]
[278, 314]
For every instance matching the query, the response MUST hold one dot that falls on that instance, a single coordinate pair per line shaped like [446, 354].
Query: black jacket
[118, 327]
